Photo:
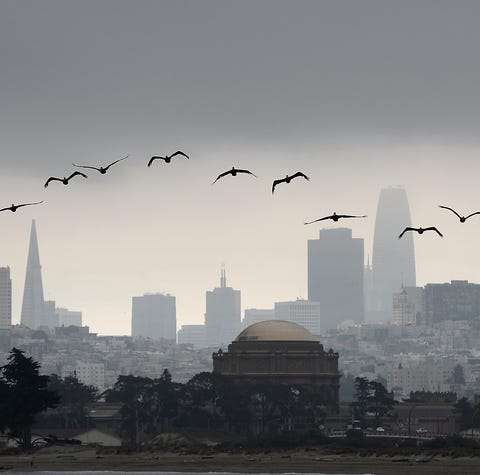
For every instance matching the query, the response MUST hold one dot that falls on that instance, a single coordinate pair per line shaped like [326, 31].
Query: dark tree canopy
[23, 395]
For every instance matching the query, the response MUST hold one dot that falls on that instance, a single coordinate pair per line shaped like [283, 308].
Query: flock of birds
[233, 171]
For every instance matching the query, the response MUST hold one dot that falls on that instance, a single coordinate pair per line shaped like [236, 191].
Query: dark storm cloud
[84, 75]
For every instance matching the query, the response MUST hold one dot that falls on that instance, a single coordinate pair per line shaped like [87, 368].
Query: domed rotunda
[281, 352]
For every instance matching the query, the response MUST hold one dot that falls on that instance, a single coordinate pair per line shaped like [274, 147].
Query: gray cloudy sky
[357, 94]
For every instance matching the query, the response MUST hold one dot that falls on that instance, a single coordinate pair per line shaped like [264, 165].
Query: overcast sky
[357, 94]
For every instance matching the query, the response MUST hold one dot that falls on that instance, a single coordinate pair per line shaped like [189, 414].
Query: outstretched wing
[405, 230]
[154, 158]
[86, 166]
[75, 174]
[28, 204]
[452, 210]
[116, 161]
[473, 214]
[179, 152]
[52, 178]
[222, 175]
[238, 170]
[5, 209]
[300, 174]
[320, 219]
[433, 228]
[350, 216]
[277, 182]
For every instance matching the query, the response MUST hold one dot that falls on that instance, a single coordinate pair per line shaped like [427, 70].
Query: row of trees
[210, 400]
[152, 406]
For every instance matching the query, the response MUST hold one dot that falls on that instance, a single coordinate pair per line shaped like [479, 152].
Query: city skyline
[357, 96]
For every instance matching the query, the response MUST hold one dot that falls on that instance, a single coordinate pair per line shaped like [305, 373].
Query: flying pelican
[288, 179]
[14, 208]
[233, 172]
[64, 180]
[168, 158]
[335, 217]
[421, 230]
[461, 218]
[102, 170]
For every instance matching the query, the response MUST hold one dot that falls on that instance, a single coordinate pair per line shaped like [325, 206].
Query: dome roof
[275, 330]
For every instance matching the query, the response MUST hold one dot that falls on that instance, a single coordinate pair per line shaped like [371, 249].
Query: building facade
[404, 311]
[393, 262]
[283, 353]
[222, 316]
[335, 276]
[67, 318]
[256, 315]
[5, 299]
[458, 300]
[154, 316]
[302, 312]
[192, 335]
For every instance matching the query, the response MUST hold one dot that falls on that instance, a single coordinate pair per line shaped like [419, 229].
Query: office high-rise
[393, 263]
[33, 303]
[5, 299]
[302, 312]
[154, 316]
[335, 276]
[222, 316]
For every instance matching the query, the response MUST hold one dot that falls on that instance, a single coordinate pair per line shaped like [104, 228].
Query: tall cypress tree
[23, 395]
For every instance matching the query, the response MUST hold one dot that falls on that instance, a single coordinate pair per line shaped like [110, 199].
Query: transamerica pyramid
[33, 303]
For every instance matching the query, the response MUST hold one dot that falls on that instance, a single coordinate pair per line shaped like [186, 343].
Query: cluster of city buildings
[377, 318]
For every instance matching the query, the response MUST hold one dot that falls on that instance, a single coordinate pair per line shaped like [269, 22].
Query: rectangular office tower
[222, 316]
[335, 276]
[154, 316]
[5, 299]
[302, 312]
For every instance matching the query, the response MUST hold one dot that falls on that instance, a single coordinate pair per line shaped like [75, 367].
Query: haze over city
[357, 95]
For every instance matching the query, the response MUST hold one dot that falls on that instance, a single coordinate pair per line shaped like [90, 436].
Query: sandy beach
[85, 458]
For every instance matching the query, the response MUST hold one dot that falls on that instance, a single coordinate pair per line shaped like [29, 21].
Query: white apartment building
[303, 312]
[91, 374]
[257, 315]
[66, 318]
[194, 335]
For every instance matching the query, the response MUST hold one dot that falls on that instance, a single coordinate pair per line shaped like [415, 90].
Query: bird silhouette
[14, 208]
[335, 217]
[102, 170]
[461, 218]
[64, 180]
[233, 172]
[168, 158]
[288, 179]
[421, 230]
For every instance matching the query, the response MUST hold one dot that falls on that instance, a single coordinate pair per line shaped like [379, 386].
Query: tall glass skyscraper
[393, 263]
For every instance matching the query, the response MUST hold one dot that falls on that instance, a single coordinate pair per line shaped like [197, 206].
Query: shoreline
[300, 461]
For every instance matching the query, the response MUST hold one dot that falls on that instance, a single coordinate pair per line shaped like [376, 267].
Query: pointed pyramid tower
[33, 303]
